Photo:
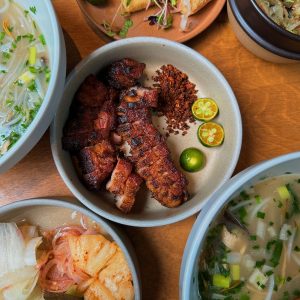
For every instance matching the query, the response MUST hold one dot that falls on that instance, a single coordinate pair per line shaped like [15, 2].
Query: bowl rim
[109, 227]
[51, 100]
[55, 134]
[207, 215]
[231, 5]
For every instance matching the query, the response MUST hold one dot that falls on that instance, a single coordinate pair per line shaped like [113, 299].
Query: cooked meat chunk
[126, 200]
[125, 73]
[96, 163]
[124, 185]
[106, 120]
[149, 151]
[88, 126]
[119, 176]
[76, 142]
[137, 97]
[92, 92]
[134, 115]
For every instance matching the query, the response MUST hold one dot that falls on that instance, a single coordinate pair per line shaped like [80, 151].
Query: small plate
[198, 22]
[221, 161]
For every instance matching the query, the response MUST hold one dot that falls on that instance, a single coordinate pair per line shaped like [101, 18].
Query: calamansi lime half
[192, 160]
[211, 134]
[205, 109]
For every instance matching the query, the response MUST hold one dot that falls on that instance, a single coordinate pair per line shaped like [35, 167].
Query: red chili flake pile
[177, 95]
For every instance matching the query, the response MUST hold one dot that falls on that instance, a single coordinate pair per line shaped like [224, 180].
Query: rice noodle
[270, 288]
[4, 7]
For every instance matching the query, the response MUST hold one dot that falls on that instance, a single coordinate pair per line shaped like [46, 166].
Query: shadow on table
[148, 263]
[73, 55]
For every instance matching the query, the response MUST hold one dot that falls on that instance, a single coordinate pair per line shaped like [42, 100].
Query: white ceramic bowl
[247, 178]
[221, 161]
[50, 213]
[48, 23]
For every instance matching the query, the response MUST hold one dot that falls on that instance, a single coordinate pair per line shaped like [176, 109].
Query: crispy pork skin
[125, 73]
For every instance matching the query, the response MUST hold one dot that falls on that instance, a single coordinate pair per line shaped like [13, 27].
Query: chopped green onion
[260, 214]
[235, 272]
[221, 281]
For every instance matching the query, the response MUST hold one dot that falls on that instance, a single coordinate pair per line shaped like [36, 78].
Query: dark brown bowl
[264, 31]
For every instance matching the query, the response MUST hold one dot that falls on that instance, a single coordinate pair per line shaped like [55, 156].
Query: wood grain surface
[269, 99]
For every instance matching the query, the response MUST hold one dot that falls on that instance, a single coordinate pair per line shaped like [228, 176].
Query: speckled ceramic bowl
[220, 161]
[189, 267]
[50, 213]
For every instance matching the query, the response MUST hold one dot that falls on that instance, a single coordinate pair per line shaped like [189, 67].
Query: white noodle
[4, 7]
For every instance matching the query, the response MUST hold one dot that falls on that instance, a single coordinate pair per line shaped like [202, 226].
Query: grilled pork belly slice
[149, 151]
[124, 185]
[119, 176]
[96, 163]
[92, 92]
[125, 73]
[88, 127]
[126, 200]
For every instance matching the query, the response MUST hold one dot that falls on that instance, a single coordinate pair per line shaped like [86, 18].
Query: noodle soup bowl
[48, 214]
[47, 21]
[260, 34]
[281, 165]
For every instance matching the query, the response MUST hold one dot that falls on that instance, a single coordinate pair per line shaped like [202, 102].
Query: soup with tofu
[24, 71]
[252, 251]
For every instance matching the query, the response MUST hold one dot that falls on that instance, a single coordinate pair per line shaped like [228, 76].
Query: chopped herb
[295, 201]
[242, 214]
[42, 39]
[244, 195]
[258, 199]
[276, 253]
[124, 31]
[260, 214]
[297, 249]
[2, 36]
[32, 86]
[32, 9]
[260, 263]
[255, 247]
[253, 237]
[271, 223]
[269, 273]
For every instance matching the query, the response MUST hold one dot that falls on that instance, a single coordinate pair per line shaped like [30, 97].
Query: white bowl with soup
[246, 245]
[52, 230]
[32, 74]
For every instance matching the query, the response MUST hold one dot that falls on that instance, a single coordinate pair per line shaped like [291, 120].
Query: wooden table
[269, 99]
